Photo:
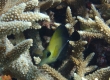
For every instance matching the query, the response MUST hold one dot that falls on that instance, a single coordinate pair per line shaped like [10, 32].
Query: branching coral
[16, 56]
[12, 62]
[78, 58]
[44, 5]
[78, 8]
[98, 24]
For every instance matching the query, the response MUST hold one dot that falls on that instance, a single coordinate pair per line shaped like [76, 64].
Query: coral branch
[54, 73]
[12, 27]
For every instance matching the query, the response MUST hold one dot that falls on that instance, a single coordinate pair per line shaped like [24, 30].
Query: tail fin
[75, 36]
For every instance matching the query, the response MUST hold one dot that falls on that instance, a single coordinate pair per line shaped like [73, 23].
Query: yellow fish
[57, 43]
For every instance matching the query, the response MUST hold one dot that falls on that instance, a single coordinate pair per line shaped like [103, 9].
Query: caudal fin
[75, 36]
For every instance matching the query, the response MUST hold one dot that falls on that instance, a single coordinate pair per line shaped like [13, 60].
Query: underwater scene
[54, 39]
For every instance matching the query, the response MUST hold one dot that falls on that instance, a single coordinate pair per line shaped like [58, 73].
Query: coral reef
[26, 27]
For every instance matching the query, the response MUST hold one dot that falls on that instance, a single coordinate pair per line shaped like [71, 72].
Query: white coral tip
[29, 23]
[23, 4]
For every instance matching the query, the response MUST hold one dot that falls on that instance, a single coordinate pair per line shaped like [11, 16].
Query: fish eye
[48, 54]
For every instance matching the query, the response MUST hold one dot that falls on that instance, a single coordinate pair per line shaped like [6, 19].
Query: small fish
[57, 43]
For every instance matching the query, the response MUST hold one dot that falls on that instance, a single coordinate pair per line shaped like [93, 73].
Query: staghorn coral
[76, 7]
[70, 21]
[12, 62]
[98, 24]
[44, 5]
[54, 73]
[16, 13]
[24, 15]
[2, 4]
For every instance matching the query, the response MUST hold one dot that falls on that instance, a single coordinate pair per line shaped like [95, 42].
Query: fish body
[57, 43]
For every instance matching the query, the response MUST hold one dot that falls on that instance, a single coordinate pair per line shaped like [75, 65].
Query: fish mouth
[44, 61]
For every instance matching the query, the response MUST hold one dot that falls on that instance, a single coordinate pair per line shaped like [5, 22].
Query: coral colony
[26, 27]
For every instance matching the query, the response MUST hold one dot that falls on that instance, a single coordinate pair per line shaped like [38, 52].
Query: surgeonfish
[58, 41]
